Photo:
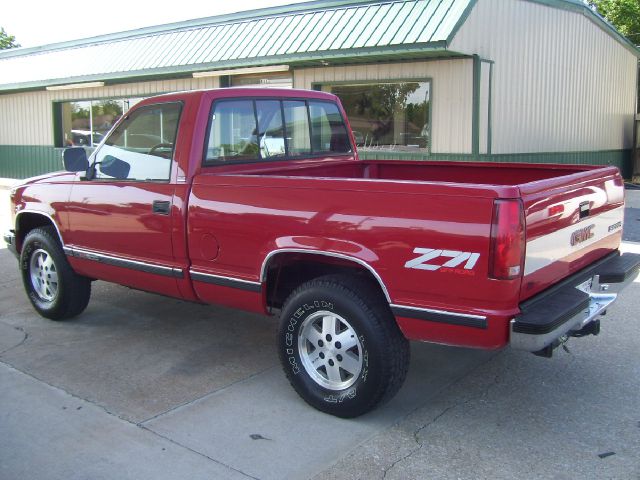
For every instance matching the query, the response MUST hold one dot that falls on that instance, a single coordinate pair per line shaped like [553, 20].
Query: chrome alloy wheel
[330, 350]
[44, 275]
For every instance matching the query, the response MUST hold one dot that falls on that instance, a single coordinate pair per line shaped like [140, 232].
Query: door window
[141, 147]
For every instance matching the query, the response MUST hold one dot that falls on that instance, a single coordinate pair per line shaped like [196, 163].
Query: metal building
[488, 80]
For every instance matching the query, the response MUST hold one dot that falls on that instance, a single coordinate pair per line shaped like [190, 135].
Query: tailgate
[571, 221]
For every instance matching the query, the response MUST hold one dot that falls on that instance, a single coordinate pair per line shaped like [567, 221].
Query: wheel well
[27, 222]
[286, 271]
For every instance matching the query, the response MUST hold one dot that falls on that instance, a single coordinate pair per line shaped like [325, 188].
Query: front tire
[340, 346]
[54, 289]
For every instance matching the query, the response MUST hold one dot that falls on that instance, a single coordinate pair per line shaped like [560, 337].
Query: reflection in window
[297, 126]
[388, 115]
[270, 129]
[86, 123]
[233, 132]
[77, 123]
[329, 132]
[142, 145]
[253, 130]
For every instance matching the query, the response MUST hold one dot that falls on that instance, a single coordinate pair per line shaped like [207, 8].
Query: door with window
[122, 216]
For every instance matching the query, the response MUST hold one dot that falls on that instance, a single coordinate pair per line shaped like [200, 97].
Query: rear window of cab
[263, 129]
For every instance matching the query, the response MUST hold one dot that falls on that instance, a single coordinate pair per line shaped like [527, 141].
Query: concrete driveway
[142, 386]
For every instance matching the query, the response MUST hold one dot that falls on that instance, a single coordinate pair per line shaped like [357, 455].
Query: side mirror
[75, 159]
[114, 167]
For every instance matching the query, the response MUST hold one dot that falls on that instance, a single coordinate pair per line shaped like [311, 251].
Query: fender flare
[48, 216]
[362, 263]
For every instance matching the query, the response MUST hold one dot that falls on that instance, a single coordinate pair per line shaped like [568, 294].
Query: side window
[329, 132]
[297, 128]
[141, 147]
[270, 129]
[233, 135]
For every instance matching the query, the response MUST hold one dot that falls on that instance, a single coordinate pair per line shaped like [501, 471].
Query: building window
[388, 116]
[85, 123]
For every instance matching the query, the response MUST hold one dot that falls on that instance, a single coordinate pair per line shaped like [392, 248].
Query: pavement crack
[445, 411]
[416, 438]
[24, 339]
[178, 444]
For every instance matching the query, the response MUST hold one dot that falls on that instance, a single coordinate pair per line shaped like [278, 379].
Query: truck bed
[476, 173]
[552, 196]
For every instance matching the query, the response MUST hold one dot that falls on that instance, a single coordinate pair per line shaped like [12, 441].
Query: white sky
[39, 22]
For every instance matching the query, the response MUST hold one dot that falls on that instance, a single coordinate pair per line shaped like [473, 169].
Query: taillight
[506, 252]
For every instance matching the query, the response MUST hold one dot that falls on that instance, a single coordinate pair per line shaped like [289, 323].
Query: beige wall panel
[27, 118]
[452, 93]
[560, 83]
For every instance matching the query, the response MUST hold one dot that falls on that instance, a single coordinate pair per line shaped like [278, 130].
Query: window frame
[94, 155]
[318, 86]
[56, 109]
[286, 157]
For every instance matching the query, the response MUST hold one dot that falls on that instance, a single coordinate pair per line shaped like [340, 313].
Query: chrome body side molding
[107, 259]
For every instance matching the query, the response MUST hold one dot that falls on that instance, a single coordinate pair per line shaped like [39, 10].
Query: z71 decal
[433, 259]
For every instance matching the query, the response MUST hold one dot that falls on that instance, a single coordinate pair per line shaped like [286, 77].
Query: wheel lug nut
[320, 343]
[328, 337]
[321, 355]
[331, 362]
[339, 357]
[338, 345]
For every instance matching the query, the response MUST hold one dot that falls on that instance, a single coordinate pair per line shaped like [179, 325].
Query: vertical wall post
[489, 115]
[635, 148]
[475, 123]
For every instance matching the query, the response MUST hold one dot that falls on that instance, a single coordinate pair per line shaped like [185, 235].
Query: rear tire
[340, 346]
[54, 289]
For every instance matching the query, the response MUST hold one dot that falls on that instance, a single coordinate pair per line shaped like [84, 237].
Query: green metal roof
[307, 33]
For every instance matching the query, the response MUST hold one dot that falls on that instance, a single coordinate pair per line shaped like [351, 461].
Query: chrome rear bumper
[551, 316]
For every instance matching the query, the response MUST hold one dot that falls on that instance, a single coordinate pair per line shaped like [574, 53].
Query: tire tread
[367, 297]
[76, 288]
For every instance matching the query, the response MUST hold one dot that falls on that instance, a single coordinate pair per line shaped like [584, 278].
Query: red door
[121, 218]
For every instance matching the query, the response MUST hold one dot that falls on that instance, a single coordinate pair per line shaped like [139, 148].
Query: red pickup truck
[256, 199]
